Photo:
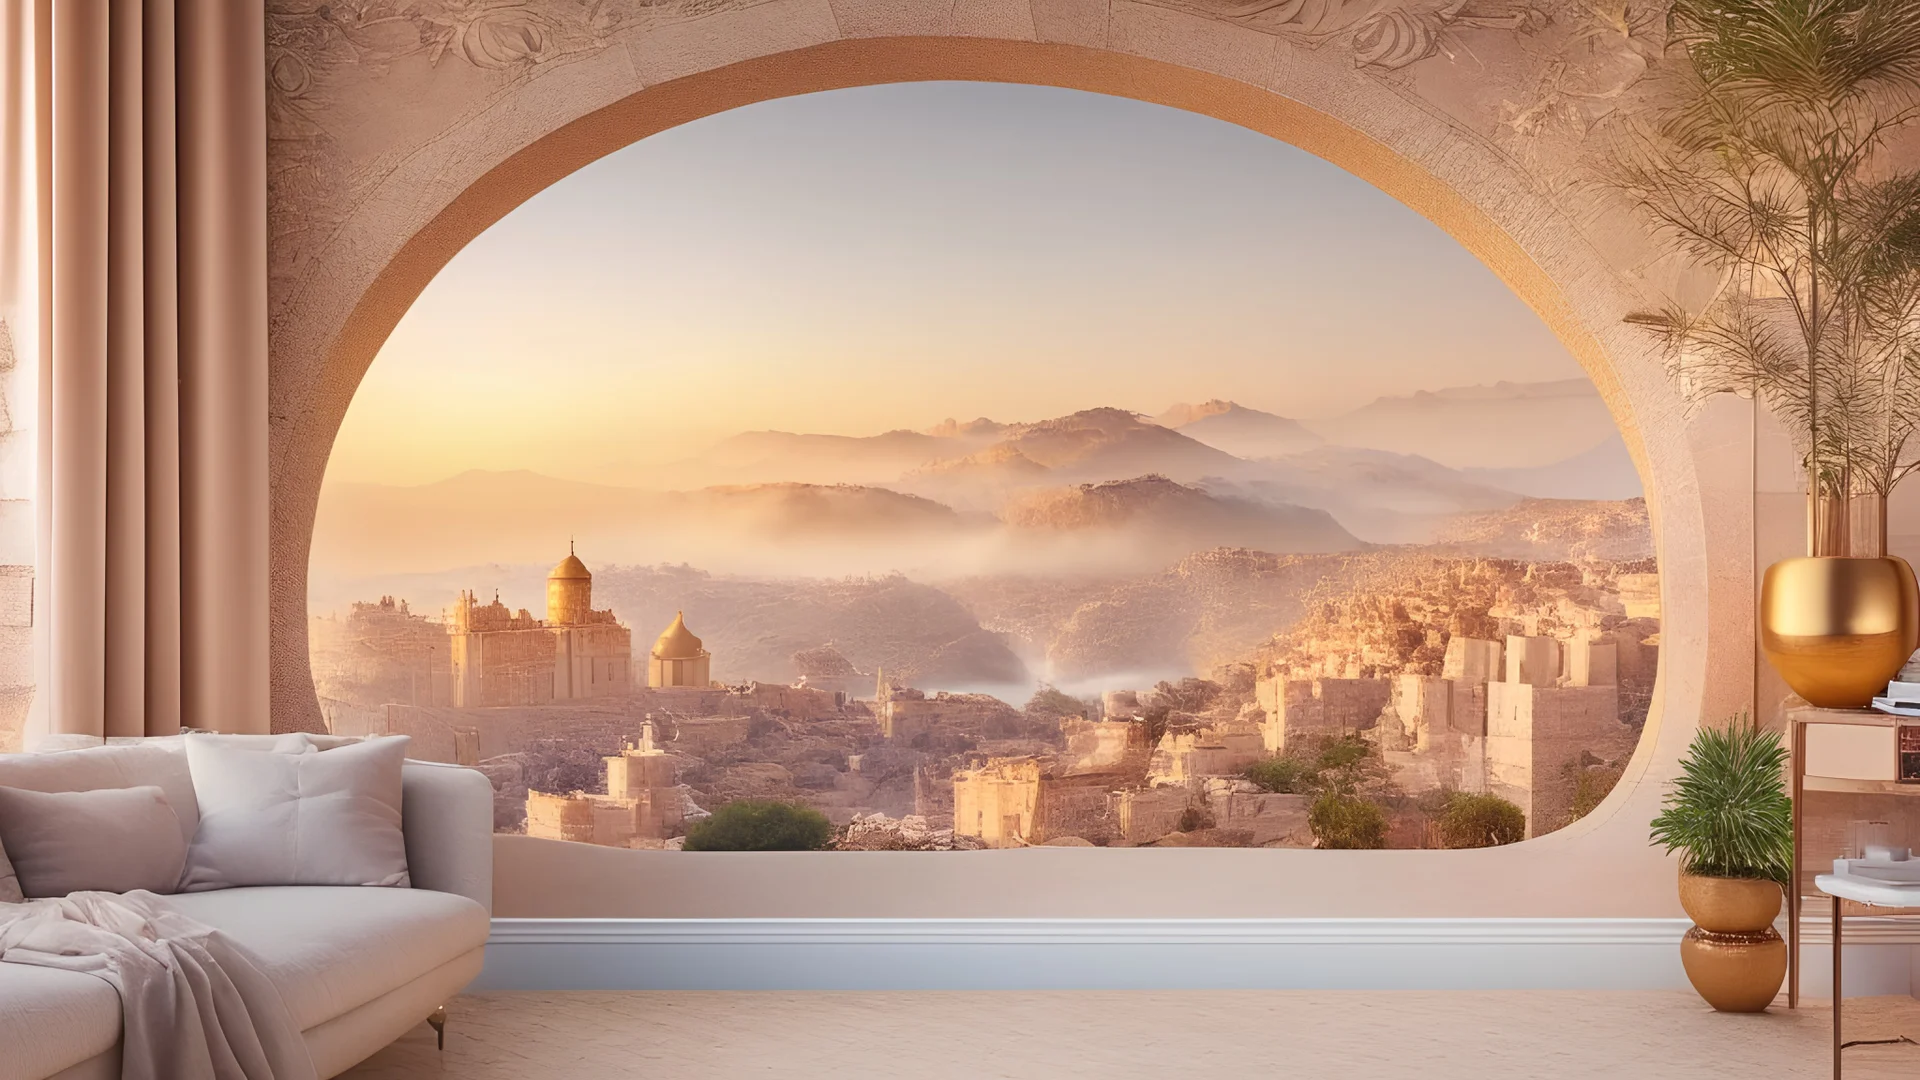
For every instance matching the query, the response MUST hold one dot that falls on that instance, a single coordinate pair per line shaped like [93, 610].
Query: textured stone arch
[363, 224]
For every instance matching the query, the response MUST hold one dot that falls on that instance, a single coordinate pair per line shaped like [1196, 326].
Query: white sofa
[357, 967]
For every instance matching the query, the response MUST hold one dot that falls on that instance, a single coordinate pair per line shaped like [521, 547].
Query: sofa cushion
[158, 762]
[297, 818]
[332, 949]
[52, 1020]
[108, 839]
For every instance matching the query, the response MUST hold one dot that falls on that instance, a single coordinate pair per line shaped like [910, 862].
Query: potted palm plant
[1769, 169]
[1730, 819]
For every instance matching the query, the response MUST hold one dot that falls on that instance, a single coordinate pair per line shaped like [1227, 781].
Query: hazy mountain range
[1506, 425]
[1099, 491]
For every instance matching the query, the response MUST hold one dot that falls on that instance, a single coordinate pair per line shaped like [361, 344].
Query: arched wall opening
[1600, 866]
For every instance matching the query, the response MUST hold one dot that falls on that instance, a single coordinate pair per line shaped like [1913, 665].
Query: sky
[862, 260]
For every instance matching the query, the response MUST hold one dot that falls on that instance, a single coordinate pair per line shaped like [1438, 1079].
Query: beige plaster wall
[402, 130]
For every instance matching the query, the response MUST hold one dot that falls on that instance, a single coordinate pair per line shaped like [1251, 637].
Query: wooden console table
[1849, 751]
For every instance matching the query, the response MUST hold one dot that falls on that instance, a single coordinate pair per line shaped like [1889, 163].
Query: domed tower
[569, 592]
[678, 658]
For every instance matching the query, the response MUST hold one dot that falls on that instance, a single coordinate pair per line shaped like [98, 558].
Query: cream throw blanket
[192, 1001]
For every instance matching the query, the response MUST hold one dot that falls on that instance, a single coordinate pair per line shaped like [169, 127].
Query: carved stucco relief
[415, 68]
[356, 86]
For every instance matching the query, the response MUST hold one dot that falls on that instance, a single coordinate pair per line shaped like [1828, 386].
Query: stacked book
[1903, 693]
[1901, 698]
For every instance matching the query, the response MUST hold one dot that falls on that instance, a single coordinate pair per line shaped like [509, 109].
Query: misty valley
[1212, 626]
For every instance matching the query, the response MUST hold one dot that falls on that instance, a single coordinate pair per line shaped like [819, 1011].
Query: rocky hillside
[1554, 529]
[1240, 431]
[1393, 612]
[1109, 444]
[1155, 511]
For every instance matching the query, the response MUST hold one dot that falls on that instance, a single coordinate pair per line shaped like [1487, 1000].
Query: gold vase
[1721, 905]
[1733, 956]
[1837, 628]
[1735, 972]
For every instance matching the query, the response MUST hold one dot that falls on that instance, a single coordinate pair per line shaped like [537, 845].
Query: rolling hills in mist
[783, 529]
[1098, 491]
[1506, 425]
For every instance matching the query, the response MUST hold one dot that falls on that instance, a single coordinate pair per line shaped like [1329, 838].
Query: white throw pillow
[109, 839]
[316, 818]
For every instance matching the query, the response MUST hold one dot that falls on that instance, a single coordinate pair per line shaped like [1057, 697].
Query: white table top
[1868, 890]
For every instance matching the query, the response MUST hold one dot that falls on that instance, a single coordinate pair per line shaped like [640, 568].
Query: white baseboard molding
[1049, 954]
[1143, 954]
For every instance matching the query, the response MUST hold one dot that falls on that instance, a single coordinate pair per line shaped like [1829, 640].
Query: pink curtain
[135, 177]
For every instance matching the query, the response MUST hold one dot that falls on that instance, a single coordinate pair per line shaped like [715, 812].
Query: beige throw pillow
[108, 839]
[318, 818]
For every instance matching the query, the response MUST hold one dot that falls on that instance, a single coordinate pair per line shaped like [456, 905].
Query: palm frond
[1728, 814]
[1770, 169]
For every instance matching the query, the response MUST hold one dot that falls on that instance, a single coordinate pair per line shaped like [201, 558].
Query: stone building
[1442, 727]
[1225, 749]
[642, 802]
[1539, 736]
[1144, 815]
[1593, 663]
[799, 702]
[679, 659]
[381, 653]
[1298, 709]
[1472, 660]
[904, 713]
[1022, 801]
[1640, 593]
[1533, 661]
[502, 657]
[1101, 745]
[593, 653]
[999, 801]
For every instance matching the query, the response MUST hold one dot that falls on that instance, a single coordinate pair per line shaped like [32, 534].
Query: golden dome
[570, 569]
[677, 642]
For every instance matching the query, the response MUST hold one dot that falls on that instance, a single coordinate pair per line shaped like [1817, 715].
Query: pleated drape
[150, 208]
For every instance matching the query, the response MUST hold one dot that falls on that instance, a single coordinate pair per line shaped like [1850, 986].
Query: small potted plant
[1730, 819]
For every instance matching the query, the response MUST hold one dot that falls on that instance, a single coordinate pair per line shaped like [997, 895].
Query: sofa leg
[439, 1022]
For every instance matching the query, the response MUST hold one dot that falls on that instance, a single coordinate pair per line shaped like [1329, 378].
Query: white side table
[1886, 898]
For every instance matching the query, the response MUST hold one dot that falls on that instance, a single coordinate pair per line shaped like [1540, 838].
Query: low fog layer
[1101, 491]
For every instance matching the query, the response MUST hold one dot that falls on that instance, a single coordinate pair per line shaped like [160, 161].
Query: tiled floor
[1557, 1035]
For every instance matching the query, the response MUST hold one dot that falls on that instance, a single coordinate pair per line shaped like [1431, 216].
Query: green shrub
[1347, 821]
[1729, 815]
[761, 825]
[1471, 821]
[1591, 787]
[1285, 775]
[1348, 764]
[1345, 764]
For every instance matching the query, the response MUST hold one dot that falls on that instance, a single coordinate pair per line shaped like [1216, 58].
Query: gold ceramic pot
[1837, 628]
[1721, 905]
[1735, 972]
[1733, 956]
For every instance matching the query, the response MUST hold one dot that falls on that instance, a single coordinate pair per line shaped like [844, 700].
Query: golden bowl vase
[1730, 905]
[1838, 628]
[1738, 973]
